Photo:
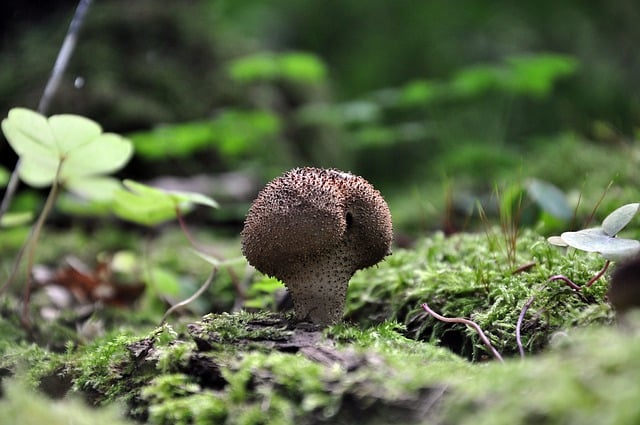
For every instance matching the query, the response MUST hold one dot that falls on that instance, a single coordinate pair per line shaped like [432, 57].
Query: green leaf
[476, 80]
[173, 140]
[596, 240]
[72, 143]
[146, 208]
[104, 154]
[297, 67]
[238, 132]
[549, 198]
[619, 218]
[4, 177]
[536, 74]
[12, 219]
[150, 206]
[302, 67]
[38, 171]
[232, 132]
[95, 188]
[261, 66]
[72, 131]
[28, 133]
[164, 282]
[419, 92]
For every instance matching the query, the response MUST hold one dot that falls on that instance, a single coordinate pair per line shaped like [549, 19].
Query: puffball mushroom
[312, 229]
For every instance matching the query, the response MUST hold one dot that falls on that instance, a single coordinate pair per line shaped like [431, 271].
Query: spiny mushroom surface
[313, 228]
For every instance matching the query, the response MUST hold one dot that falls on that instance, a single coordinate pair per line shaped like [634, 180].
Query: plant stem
[199, 292]
[525, 308]
[577, 287]
[467, 322]
[66, 50]
[599, 274]
[595, 208]
[566, 280]
[33, 240]
[239, 288]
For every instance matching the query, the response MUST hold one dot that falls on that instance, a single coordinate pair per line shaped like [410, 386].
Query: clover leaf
[70, 146]
[603, 239]
[149, 206]
[617, 220]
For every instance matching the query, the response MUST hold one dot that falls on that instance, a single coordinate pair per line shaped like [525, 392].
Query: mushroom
[313, 228]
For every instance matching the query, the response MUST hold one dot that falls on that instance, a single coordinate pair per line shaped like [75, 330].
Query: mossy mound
[257, 368]
[487, 278]
[269, 372]
[589, 377]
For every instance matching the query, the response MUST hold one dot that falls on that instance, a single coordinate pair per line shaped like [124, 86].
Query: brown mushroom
[313, 228]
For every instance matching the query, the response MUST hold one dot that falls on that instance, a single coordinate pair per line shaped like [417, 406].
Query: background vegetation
[433, 102]
[461, 113]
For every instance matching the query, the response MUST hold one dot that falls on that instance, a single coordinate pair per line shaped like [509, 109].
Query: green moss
[21, 405]
[387, 339]
[290, 385]
[102, 369]
[472, 276]
[176, 399]
[589, 378]
[224, 330]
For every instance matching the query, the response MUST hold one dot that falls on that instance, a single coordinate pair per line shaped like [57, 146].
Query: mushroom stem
[319, 295]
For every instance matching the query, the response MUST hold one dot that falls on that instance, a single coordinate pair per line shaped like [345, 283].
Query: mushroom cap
[308, 215]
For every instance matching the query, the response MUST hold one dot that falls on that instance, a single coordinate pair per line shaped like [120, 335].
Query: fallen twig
[525, 308]
[467, 322]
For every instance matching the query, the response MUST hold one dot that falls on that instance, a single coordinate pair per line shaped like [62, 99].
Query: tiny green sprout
[149, 206]
[69, 150]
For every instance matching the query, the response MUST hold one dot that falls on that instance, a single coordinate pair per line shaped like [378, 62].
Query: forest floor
[388, 362]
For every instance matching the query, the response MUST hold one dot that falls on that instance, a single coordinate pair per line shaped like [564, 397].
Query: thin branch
[525, 308]
[566, 280]
[467, 322]
[525, 267]
[199, 292]
[574, 285]
[237, 284]
[64, 55]
[50, 89]
[599, 274]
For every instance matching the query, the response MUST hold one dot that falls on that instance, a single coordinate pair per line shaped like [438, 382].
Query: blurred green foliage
[233, 133]
[414, 96]
[264, 66]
